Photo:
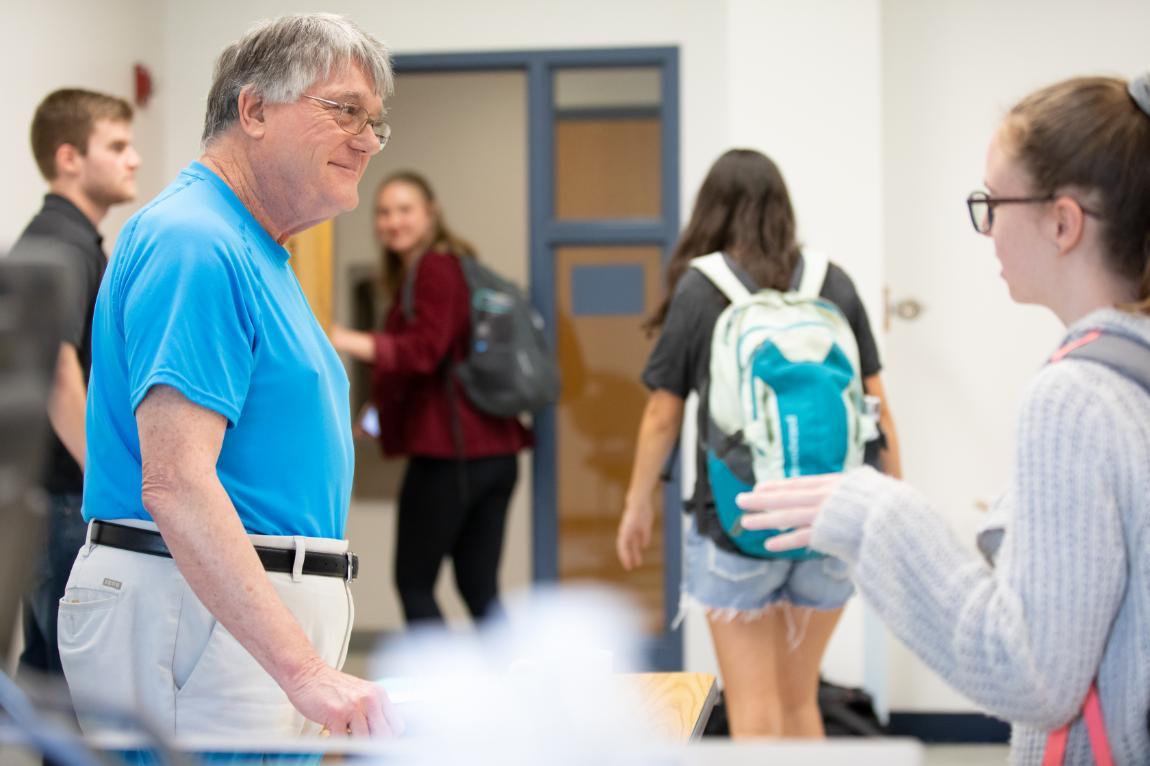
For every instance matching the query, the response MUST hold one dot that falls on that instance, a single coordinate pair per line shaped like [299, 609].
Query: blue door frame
[547, 234]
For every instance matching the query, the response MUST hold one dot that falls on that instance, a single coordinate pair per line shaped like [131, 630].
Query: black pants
[66, 534]
[452, 508]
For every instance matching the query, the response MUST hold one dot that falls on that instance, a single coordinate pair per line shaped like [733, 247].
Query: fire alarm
[143, 84]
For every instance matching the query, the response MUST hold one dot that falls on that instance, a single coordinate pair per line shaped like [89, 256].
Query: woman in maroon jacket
[462, 462]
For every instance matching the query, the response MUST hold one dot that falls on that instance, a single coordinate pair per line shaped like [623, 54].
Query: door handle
[908, 309]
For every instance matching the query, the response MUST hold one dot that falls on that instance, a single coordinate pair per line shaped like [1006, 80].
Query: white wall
[196, 32]
[53, 44]
[805, 88]
[804, 84]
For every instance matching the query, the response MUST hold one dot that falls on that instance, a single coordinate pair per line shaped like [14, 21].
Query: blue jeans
[737, 584]
[65, 536]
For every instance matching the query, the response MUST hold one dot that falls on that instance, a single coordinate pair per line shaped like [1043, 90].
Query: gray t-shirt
[681, 360]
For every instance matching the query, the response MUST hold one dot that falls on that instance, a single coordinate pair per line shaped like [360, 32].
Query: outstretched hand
[791, 504]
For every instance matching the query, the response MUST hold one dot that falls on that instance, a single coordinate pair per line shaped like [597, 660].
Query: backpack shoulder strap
[407, 292]
[814, 273]
[1055, 752]
[1126, 356]
[714, 267]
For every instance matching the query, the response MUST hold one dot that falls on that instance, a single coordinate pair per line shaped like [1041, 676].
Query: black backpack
[846, 712]
[510, 368]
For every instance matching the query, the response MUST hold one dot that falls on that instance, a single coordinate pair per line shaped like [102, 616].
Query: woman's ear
[251, 112]
[1067, 223]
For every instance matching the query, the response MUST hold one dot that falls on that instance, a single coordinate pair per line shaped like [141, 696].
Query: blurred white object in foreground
[542, 685]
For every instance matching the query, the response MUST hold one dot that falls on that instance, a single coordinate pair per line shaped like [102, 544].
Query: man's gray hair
[282, 57]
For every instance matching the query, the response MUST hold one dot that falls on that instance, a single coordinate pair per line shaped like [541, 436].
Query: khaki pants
[134, 639]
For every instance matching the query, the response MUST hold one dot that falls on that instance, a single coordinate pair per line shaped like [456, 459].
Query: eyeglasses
[353, 118]
[981, 206]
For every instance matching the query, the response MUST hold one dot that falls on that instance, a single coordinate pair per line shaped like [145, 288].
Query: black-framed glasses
[981, 204]
[353, 118]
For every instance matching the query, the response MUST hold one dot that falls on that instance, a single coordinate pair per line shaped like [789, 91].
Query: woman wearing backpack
[770, 619]
[1059, 614]
[462, 463]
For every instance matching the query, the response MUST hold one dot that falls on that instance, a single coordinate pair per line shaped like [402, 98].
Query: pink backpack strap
[1089, 337]
[1055, 752]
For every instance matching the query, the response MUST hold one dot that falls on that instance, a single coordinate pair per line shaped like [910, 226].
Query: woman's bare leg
[749, 667]
[771, 689]
[798, 672]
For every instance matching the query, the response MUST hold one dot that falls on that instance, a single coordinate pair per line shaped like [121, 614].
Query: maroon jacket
[408, 381]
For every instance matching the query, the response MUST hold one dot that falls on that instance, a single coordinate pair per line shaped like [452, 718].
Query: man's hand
[179, 447]
[343, 703]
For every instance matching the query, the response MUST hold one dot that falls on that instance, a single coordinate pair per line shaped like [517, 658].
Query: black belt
[343, 565]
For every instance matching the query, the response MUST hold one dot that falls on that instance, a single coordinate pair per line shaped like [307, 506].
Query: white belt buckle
[350, 566]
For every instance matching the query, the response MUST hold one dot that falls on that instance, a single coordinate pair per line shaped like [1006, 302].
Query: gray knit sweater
[1067, 597]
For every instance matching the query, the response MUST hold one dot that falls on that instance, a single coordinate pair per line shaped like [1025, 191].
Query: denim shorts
[733, 583]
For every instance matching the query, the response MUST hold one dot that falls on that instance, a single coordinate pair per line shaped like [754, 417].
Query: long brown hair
[744, 210]
[443, 239]
[1088, 134]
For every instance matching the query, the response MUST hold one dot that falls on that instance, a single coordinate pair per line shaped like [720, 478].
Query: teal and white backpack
[785, 396]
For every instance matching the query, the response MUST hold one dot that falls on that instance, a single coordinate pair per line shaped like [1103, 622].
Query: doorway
[466, 132]
[562, 167]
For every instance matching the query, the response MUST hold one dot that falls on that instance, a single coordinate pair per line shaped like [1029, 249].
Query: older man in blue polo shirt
[212, 592]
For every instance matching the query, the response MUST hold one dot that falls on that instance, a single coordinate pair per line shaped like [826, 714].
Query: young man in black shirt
[82, 143]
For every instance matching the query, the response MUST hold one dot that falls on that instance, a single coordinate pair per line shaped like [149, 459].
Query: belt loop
[87, 549]
[297, 565]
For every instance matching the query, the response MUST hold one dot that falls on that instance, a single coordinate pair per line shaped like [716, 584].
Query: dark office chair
[34, 294]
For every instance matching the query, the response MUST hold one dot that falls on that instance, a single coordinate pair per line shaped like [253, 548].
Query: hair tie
[1139, 90]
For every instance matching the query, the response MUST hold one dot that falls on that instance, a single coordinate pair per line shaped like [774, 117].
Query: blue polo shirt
[199, 297]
